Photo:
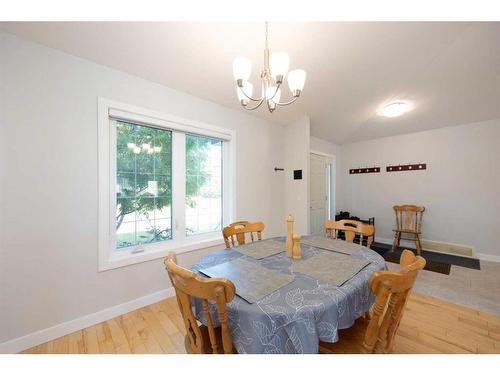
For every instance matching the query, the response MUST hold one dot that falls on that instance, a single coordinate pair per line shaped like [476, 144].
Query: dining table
[308, 309]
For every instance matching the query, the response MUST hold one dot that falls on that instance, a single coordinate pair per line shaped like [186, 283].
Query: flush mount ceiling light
[272, 76]
[394, 109]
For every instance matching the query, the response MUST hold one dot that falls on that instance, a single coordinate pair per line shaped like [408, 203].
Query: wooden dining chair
[238, 229]
[367, 231]
[376, 335]
[202, 339]
[350, 229]
[408, 222]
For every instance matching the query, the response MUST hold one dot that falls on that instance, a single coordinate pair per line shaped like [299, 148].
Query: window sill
[125, 258]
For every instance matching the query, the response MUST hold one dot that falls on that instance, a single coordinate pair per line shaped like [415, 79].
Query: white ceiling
[450, 72]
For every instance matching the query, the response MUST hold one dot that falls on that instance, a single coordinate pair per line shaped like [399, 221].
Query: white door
[318, 193]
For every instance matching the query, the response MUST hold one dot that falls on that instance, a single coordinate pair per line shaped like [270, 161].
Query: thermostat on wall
[297, 174]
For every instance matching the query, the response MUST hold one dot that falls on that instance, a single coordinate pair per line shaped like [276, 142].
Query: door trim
[333, 159]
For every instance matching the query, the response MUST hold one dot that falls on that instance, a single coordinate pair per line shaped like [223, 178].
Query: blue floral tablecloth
[294, 318]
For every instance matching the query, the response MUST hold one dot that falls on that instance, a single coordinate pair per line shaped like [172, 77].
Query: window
[164, 184]
[143, 184]
[203, 185]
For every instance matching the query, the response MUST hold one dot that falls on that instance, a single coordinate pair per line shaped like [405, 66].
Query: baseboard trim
[389, 241]
[488, 257]
[480, 256]
[411, 245]
[39, 337]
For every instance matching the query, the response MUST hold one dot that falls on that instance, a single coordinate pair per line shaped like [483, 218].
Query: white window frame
[108, 112]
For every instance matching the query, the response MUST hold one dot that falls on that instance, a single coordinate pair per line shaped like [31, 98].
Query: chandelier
[272, 76]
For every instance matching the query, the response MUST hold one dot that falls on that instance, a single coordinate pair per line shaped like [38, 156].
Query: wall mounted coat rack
[364, 170]
[406, 167]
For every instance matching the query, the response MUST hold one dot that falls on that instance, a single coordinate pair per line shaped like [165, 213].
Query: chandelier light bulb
[296, 80]
[242, 67]
[279, 64]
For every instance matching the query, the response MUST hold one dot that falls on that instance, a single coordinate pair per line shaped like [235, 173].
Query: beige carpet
[479, 289]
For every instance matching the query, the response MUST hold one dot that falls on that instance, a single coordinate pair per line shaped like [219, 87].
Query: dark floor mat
[429, 256]
[439, 267]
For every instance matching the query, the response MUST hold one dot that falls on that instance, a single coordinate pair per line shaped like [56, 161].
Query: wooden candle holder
[289, 234]
[297, 250]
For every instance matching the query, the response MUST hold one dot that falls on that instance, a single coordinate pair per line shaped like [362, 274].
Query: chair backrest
[408, 217]
[238, 230]
[391, 290]
[350, 228]
[187, 284]
[368, 231]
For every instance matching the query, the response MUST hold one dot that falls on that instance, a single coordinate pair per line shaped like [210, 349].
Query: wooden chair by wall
[350, 229]
[408, 222]
[239, 229]
[376, 335]
[200, 338]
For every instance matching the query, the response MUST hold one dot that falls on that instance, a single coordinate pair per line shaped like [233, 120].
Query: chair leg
[394, 242]
[418, 245]
[397, 239]
[367, 315]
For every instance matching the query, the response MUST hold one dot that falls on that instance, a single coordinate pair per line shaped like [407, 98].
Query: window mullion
[178, 186]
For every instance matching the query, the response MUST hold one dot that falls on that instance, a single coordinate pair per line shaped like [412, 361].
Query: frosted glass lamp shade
[242, 67]
[279, 64]
[296, 80]
[277, 97]
[248, 88]
[270, 91]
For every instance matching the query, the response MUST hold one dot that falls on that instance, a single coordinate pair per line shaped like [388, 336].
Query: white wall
[460, 188]
[48, 197]
[297, 157]
[325, 147]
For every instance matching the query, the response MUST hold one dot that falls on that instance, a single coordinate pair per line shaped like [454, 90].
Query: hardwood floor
[429, 325]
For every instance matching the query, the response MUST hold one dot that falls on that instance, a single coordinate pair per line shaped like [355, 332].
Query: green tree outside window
[144, 182]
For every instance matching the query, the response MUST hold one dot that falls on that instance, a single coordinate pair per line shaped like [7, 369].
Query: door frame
[333, 160]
